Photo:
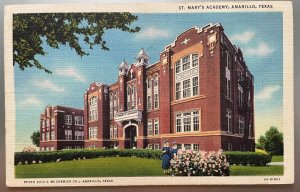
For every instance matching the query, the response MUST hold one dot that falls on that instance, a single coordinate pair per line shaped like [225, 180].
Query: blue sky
[259, 35]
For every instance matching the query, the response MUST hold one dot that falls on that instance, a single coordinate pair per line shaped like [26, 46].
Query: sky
[259, 35]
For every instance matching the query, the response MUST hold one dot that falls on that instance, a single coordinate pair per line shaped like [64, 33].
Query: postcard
[127, 94]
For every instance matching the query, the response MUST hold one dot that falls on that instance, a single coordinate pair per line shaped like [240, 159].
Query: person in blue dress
[166, 157]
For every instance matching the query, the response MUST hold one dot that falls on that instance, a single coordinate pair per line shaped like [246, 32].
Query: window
[93, 114]
[149, 102]
[47, 148]
[178, 123]
[228, 88]
[241, 125]
[43, 123]
[47, 136]
[156, 146]
[43, 136]
[156, 93]
[178, 91]
[133, 98]
[79, 135]
[196, 120]
[177, 67]
[52, 135]
[111, 112]
[187, 122]
[53, 120]
[150, 130]
[43, 149]
[229, 148]
[187, 79]
[115, 132]
[187, 146]
[68, 134]
[78, 120]
[186, 89]
[52, 148]
[150, 146]
[195, 60]
[229, 120]
[47, 122]
[92, 133]
[156, 127]
[195, 86]
[149, 94]
[93, 108]
[68, 119]
[115, 103]
[186, 63]
[228, 75]
[111, 132]
[240, 91]
[196, 147]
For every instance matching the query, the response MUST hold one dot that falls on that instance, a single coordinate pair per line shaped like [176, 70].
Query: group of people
[168, 153]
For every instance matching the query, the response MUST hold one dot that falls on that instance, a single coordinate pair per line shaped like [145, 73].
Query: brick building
[199, 94]
[61, 128]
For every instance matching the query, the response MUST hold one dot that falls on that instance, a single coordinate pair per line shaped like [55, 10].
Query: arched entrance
[130, 136]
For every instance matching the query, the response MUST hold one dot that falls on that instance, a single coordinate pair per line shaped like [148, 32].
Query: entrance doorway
[130, 137]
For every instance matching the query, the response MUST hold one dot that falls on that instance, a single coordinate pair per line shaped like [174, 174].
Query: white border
[288, 104]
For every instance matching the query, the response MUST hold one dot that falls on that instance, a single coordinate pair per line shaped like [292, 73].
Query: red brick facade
[199, 94]
[61, 128]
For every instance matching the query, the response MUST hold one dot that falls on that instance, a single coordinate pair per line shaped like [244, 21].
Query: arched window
[187, 76]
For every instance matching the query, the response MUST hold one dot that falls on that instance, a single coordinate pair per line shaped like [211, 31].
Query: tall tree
[30, 31]
[35, 138]
[272, 141]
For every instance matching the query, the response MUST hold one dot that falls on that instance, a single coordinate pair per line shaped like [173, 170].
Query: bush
[248, 158]
[65, 155]
[200, 163]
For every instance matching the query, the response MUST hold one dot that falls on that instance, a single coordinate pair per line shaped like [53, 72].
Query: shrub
[248, 158]
[65, 155]
[200, 163]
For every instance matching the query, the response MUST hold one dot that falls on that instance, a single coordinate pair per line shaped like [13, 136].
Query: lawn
[119, 167]
[277, 158]
[100, 167]
[256, 170]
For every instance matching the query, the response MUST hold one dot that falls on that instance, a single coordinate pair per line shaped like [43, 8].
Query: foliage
[272, 141]
[35, 138]
[31, 31]
[200, 163]
[248, 158]
[64, 155]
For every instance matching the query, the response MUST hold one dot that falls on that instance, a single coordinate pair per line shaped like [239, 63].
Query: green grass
[277, 158]
[120, 167]
[256, 170]
[114, 166]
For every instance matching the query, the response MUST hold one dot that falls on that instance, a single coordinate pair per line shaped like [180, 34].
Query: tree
[30, 31]
[272, 141]
[35, 138]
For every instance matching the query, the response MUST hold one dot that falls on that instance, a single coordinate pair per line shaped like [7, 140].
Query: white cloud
[152, 33]
[243, 37]
[31, 101]
[267, 92]
[71, 72]
[263, 49]
[49, 85]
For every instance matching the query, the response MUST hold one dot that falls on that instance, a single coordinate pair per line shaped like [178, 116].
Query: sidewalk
[276, 163]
